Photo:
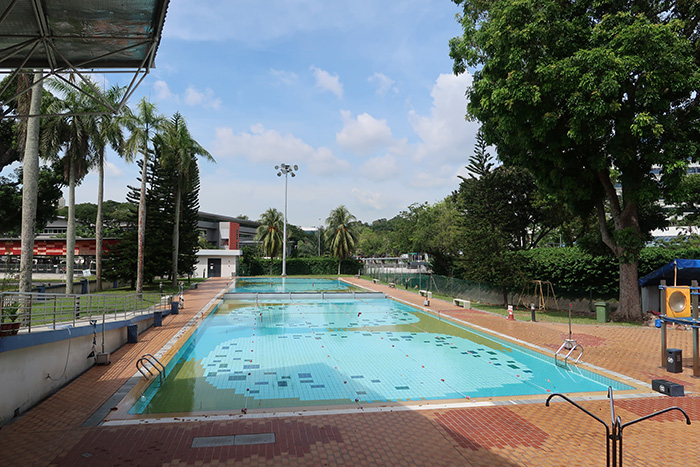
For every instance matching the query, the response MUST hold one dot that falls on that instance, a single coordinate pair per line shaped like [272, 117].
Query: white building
[229, 235]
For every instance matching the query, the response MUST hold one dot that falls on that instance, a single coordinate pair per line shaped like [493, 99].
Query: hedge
[576, 273]
[256, 266]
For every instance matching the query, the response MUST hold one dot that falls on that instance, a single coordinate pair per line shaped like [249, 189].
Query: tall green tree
[588, 95]
[189, 235]
[142, 126]
[179, 152]
[30, 175]
[686, 200]
[371, 242]
[339, 233]
[122, 260]
[501, 213]
[268, 234]
[75, 132]
[109, 127]
[480, 162]
[49, 184]
[435, 230]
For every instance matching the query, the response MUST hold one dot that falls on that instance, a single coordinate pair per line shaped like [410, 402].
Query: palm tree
[269, 234]
[76, 133]
[179, 151]
[339, 235]
[142, 126]
[30, 176]
[110, 133]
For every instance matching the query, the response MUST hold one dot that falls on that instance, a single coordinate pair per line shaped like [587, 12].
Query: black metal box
[667, 387]
[674, 360]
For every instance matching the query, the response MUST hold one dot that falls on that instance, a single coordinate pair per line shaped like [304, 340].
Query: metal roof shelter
[64, 37]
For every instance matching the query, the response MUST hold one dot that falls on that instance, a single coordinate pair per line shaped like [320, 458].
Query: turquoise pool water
[337, 351]
[288, 284]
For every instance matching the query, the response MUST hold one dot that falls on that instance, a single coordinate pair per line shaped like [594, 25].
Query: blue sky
[360, 95]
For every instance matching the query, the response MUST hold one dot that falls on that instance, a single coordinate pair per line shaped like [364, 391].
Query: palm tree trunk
[70, 233]
[176, 234]
[142, 225]
[30, 180]
[98, 220]
[339, 262]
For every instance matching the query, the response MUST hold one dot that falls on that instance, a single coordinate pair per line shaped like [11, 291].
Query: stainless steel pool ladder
[154, 363]
[569, 345]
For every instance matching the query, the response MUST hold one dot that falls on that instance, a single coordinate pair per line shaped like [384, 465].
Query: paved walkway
[500, 435]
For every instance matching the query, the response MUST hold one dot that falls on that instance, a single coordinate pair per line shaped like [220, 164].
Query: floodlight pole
[285, 169]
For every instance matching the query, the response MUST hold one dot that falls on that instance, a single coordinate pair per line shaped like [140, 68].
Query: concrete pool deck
[52, 433]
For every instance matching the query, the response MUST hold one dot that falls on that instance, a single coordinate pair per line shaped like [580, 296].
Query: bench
[392, 285]
[462, 302]
[426, 293]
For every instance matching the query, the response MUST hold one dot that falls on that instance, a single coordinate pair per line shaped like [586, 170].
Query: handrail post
[613, 433]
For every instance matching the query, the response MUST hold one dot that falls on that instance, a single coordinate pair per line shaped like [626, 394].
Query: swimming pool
[288, 284]
[342, 351]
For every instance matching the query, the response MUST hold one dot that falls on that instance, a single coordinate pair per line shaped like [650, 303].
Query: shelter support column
[694, 314]
[662, 307]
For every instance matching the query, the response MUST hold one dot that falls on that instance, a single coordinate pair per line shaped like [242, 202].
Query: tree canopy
[589, 96]
[268, 233]
[50, 182]
[340, 234]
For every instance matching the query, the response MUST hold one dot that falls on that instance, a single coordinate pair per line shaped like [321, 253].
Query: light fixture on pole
[285, 169]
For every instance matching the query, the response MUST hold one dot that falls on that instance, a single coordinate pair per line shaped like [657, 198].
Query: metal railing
[613, 432]
[146, 360]
[46, 311]
[57, 269]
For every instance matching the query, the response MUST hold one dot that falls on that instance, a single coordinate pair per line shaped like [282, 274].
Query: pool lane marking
[528, 345]
[391, 312]
[435, 375]
[509, 375]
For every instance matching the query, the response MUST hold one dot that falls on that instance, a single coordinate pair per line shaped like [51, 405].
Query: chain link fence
[481, 292]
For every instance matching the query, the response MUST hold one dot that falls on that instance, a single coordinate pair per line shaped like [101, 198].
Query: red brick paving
[503, 435]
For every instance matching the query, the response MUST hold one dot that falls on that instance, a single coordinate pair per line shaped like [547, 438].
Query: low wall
[60, 287]
[34, 366]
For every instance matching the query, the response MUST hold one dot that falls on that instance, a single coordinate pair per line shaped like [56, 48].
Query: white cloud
[328, 82]
[205, 99]
[192, 97]
[267, 146]
[364, 134]
[368, 198]
[163, 92]
[445, 134]
[112, 170]
[380, 168]
[284, 77]
[383, 83]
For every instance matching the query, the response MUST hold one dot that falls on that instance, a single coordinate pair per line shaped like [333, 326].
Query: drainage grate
[235, 440]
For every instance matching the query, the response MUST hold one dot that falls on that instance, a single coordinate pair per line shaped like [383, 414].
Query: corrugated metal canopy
[60, 35]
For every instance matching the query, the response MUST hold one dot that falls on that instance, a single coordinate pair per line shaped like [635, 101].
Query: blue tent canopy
[684, 271]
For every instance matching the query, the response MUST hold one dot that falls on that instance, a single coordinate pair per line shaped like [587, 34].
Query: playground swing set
[542, 290]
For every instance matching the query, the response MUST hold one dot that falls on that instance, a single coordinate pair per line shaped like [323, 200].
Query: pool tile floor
[499, 435]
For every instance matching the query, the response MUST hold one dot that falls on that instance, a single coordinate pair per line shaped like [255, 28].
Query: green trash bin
[601, 311]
